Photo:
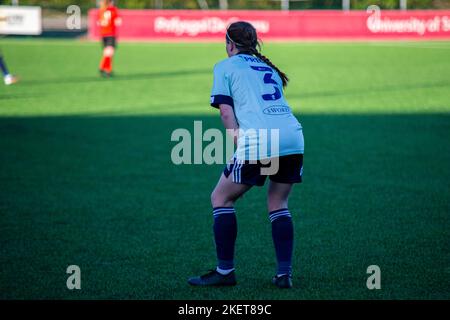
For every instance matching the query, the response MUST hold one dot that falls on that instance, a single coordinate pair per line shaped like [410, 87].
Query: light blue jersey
[255, 92]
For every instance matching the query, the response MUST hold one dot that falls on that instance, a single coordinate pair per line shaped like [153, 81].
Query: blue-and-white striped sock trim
[274, 215]
[222, 210]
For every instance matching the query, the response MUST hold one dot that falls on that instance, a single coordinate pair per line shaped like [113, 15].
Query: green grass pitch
[86, 176]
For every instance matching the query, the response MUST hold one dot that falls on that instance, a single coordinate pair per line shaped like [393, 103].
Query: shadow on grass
[102, 193]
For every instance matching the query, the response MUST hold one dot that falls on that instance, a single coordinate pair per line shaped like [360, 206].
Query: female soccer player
[108, 20]
[248, 90]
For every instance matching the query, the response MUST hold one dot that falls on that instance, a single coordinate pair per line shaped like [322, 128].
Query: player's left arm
[117, 19]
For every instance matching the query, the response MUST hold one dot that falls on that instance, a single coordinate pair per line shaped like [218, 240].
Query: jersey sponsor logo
[277, 110]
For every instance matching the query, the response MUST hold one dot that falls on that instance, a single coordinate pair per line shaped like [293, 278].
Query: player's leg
[278, 195]
[289, 172]
[227, 192]
[108, 53]
[223, 198]
[7, 77]
[282, 231]
[106, 62]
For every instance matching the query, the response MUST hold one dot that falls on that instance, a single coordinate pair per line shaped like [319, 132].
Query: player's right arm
[229, 120]
[117, 19]
[222, 99]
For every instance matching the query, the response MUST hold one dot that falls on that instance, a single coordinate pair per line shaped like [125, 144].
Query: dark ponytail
[282, 75]
[244, 36]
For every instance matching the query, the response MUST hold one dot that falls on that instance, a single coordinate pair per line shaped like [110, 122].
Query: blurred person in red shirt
[108, 20]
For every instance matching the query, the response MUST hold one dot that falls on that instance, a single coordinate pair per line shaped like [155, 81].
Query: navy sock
[225, 233]
[283, 239]
[3, 66]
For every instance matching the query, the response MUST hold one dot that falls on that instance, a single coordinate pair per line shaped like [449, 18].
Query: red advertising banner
[282, 25]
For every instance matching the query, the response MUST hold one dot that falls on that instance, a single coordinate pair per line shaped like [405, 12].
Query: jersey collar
[245, 52]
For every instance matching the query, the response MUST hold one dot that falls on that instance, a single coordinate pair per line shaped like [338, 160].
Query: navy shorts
[290, 170]
[109, 42]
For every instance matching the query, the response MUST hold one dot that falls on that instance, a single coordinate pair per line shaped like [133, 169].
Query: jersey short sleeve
[221, 92]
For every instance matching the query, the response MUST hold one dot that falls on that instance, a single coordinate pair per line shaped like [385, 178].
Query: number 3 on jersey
[268, 79]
